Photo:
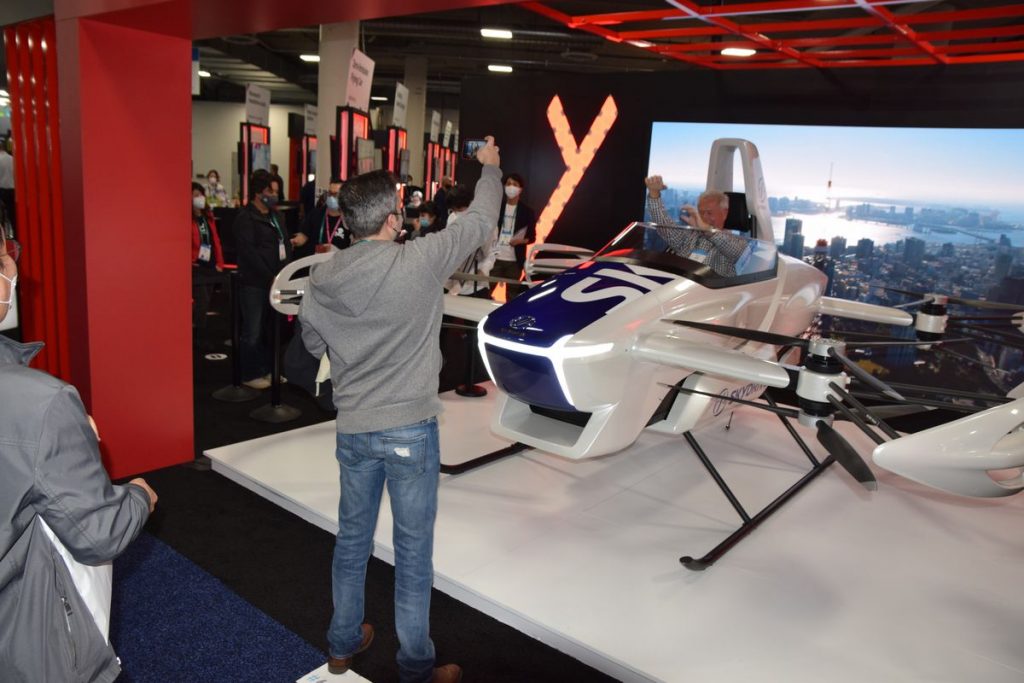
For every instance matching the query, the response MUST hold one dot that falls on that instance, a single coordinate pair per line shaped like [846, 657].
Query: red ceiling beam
[787, 53]
[902, 29]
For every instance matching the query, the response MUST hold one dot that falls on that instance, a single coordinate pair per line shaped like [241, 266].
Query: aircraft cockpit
[713, 259]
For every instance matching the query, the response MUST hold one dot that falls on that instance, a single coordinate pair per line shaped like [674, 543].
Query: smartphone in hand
[470, 147]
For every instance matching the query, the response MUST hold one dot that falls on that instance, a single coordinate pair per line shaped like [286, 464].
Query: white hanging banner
[447, 134]
[257, 105]
[310, 126]
[360, 78]
[401, 106]
[195, 71]
[435, 125]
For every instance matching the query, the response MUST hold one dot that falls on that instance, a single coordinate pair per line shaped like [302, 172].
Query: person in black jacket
[517, 227]
[264, 247]
[324, 225]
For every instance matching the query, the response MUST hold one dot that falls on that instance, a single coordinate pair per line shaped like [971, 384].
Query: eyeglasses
[12, 249]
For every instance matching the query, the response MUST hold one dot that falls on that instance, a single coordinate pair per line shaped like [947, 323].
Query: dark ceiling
[450, 42]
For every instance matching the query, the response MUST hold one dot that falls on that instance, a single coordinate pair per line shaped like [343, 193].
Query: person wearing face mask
[375, 310]
[216, 194]
[264, 247]
[207, 256]
[428, 222]
[517, 227]
[324, 225]
[63, 521]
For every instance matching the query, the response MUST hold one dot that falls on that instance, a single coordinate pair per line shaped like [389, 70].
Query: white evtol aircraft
[647, 334]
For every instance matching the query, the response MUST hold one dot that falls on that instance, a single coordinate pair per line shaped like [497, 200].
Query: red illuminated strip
[343, 146]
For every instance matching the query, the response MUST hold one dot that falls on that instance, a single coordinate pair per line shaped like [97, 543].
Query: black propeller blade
[846, 456]
[786, 412]
[865, 376]
[976, 303]
[744, 333]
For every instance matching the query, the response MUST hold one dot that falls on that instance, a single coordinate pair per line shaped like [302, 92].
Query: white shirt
[506, 252]
[6, 170]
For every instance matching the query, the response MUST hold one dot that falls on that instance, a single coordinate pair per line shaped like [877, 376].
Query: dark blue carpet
[172, 622]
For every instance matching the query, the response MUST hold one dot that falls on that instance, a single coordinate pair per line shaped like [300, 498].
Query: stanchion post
[275, 412]
[468, 388]
[236, 392]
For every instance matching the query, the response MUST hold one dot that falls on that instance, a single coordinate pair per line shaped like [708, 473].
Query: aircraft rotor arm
[666, 349]
[858, 310]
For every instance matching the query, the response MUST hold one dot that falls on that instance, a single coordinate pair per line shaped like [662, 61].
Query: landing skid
[484, 459]
[749, 523]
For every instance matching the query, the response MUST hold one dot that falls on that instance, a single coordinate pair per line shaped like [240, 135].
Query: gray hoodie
[375, 309]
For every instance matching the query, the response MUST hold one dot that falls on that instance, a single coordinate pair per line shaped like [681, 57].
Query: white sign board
[310, 125]
[257, 105]
[447, 134]
[360, 77]
[195, 71]
[401, 106]
[435, 125]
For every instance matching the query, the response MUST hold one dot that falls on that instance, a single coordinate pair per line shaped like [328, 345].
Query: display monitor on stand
[352, 125]
[253, 153]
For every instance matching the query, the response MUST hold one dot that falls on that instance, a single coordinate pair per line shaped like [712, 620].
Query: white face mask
[199, 203]
[213, 179]
[511, 191]
[10, 295]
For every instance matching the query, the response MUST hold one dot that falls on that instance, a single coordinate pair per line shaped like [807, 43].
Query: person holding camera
[375, 309]
[708, 242]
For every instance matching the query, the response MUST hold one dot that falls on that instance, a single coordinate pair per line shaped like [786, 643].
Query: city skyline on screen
[973, 168]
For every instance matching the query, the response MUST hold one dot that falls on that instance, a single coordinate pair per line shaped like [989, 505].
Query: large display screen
[941, 185]
[879, 209]
[260, 156]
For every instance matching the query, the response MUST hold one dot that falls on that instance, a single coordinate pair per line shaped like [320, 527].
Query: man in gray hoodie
[375, 309]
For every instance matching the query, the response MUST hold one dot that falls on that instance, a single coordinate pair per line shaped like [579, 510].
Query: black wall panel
[514, 109]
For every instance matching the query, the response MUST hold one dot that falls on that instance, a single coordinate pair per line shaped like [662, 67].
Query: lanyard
[204, 232]
[331, 232]
[273, 221]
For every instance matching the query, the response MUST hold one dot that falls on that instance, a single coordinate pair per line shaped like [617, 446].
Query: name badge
[699, 255]
[282, 254]
[204, 253]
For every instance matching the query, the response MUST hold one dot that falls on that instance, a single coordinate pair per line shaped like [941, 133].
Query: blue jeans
[256, 356]
[408, 459]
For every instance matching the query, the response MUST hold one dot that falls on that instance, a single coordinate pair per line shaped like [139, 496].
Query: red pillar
[125, 132]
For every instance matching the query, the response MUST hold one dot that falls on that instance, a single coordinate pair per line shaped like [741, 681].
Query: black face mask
[269, 199]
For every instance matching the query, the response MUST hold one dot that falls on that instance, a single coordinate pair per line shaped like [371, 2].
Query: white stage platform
[841, 585]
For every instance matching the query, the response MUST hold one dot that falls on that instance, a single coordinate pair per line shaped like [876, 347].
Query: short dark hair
[428, 207]
[366, 201]
[460, 197]
[196, 187]
[516, 177]
[258, 181]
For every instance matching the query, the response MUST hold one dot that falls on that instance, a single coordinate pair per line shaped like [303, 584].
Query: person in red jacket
[207, 256]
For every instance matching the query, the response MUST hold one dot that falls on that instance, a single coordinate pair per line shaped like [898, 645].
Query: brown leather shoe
[339, 665]
[449, 673]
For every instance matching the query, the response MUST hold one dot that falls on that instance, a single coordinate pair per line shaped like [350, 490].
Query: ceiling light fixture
[4, 93]
[204, 74]
[738, 52]
[497, 33]
[378, 98]
[640, 43]
[500, 68]
[310, 58]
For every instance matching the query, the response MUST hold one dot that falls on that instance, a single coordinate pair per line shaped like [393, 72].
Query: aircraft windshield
[716, 258]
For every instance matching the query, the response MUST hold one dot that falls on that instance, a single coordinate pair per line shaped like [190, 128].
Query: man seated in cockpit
[707, 242]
